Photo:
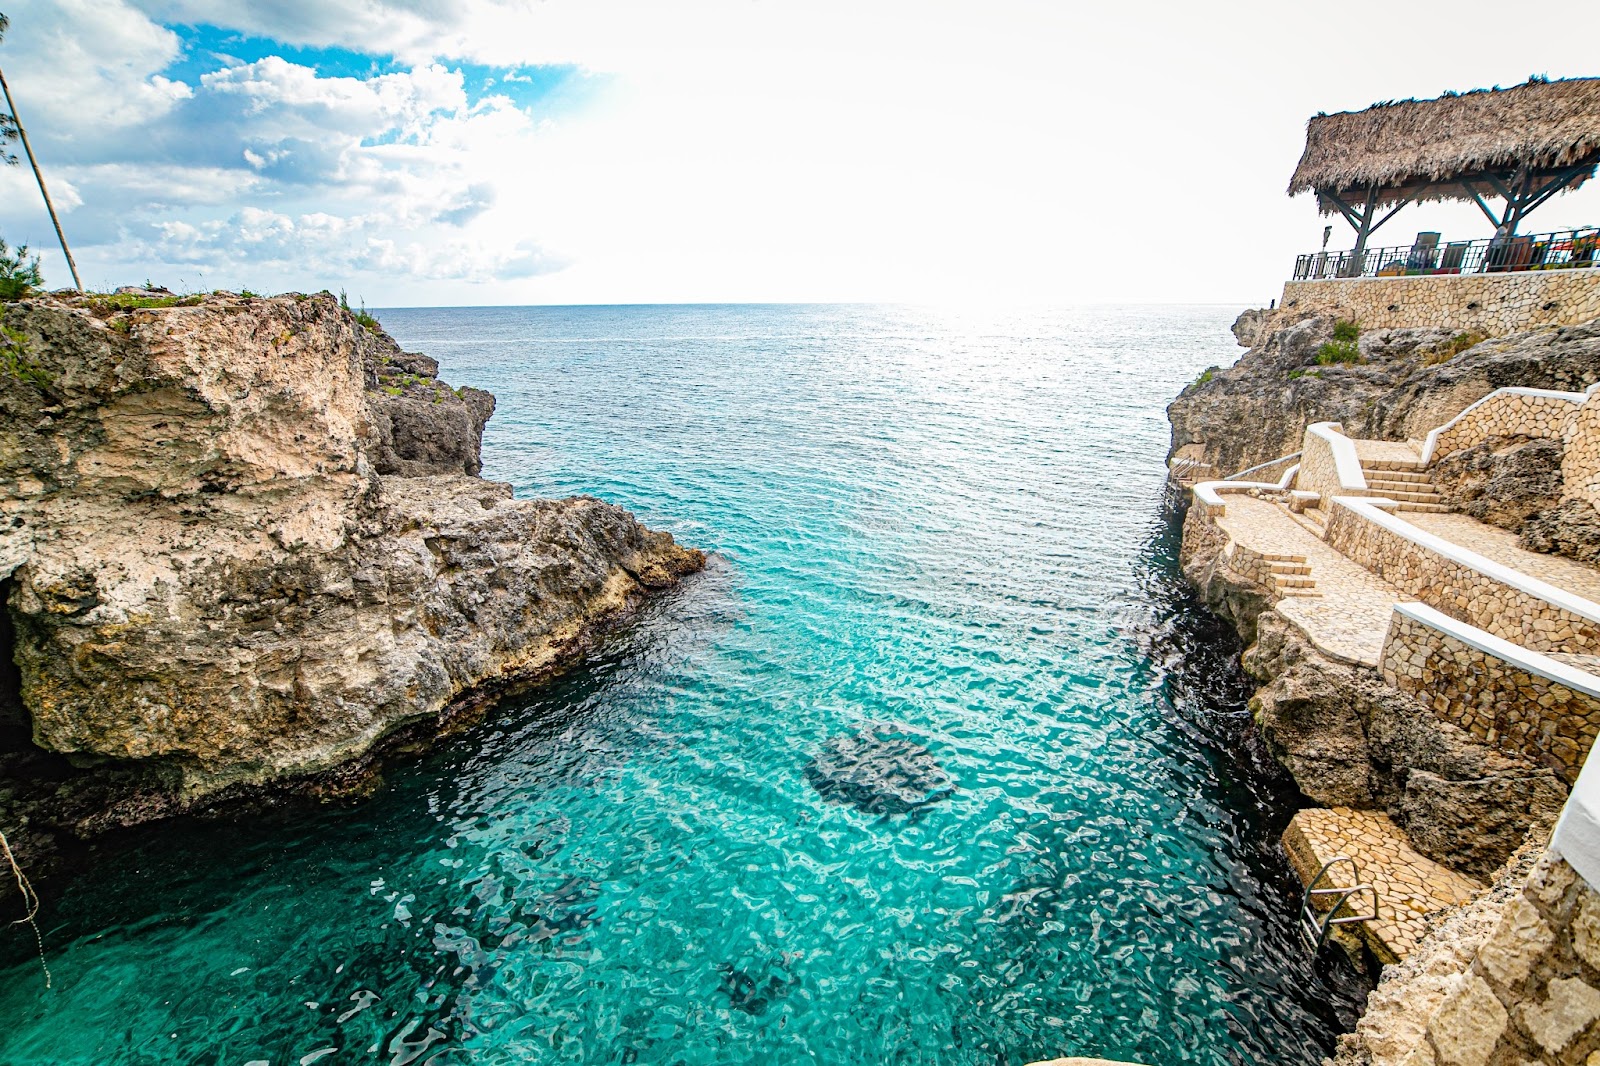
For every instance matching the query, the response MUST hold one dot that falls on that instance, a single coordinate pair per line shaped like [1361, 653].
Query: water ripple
[947, 521]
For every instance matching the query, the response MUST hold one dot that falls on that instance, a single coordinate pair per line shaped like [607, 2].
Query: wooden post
[1365, 229]
[38, 176]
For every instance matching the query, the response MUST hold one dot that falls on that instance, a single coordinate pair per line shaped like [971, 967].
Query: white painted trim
[1577, 835]
[1521, 658]
[1364, 507]
[1432, 439]
[1262, 466]
[1346, 463]
[1210, 492]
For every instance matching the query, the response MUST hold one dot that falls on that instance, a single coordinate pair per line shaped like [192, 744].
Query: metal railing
[1561, 250]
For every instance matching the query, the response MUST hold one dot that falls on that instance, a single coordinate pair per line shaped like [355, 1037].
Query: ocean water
[949, 527]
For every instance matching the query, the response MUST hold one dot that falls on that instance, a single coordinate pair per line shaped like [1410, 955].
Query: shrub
[19, 275]
[1304, 372]
[361, 316]
[1204, 377]
[1346, 331]
[14, 361]
[1338, 351]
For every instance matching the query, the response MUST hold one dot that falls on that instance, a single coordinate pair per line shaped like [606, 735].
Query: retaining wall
[1329, 465]
[1502, 694]
[1505, 413]
[1464, 585]
[1491, 304]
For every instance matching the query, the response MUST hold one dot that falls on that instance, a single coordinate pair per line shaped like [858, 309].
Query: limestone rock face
[241, 543]
[1348, 739]
[1571, 528]
[1504, 481]
[1258, 408]
[1247, 327]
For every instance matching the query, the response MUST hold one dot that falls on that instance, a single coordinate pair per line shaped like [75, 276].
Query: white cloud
[754, 150]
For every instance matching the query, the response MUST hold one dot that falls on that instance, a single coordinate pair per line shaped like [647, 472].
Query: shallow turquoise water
[953, 523]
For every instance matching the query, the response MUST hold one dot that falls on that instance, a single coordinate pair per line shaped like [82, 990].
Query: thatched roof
[1427, 148]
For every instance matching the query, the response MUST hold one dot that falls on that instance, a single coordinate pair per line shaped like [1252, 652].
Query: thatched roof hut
[1523, 144]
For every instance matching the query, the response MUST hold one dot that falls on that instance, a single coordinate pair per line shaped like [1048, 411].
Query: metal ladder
[1316, 926]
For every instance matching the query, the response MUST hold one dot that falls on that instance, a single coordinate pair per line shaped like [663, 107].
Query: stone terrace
[1410, 885]
[1350, 613]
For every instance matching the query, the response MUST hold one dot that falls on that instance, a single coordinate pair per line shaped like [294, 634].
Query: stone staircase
[1405, 482]
[1291, 575]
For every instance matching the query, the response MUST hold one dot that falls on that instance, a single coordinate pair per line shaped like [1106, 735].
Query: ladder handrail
[1315, 928]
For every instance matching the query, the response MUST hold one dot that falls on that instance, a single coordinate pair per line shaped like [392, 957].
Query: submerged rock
[241, 546]
[750, 994]
[881, 770]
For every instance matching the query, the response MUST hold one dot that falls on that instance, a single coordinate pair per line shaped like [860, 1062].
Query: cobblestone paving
[1350, 618]
[1410, 885]
[1501, 546]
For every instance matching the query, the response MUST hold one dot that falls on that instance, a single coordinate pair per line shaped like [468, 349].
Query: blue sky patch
[209, 48]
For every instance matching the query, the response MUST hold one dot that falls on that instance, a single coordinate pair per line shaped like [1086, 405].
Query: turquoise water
[951, 524]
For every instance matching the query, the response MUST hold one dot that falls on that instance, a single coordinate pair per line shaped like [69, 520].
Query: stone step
[1426, 508]
[1278, 557]
[1293, 581]
[1289, 569]
[1391, 464]
[1400, 496]
[1409, 885]
[1301, 594]
[1415, 476]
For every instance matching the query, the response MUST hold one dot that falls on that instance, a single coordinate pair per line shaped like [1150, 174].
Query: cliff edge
[244, 547]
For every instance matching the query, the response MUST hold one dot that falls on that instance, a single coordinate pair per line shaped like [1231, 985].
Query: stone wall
[1505, 413]
[1320, 463]
[1532, 993]
[1460, 591]
[1491, 304]
[1580, 465]
[1497, 701]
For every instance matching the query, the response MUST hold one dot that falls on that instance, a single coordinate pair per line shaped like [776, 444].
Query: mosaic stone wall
[1580, 464]
[1494, 700]
[1532, 993]
[1319, 472]
[1491, 304]
[1507, 414]
[1459, 591]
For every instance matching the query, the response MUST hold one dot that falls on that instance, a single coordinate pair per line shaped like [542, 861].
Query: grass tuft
[1445, 351]
[366, 320]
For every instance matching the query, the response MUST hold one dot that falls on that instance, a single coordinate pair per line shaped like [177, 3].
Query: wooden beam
[1493, 221]
[1351, 215]
[1391, 213]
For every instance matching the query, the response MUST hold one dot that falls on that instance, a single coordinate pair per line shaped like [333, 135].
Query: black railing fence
[1544, 251]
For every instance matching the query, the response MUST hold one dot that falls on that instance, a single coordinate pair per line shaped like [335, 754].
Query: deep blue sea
[943, 525]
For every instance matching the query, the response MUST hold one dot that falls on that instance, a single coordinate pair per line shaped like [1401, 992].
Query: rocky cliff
[1351, 740]
[244, 549]
[1411, 381]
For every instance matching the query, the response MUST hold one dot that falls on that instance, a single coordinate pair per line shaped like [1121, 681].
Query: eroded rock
[1258, 408]
[233, 557]
[1504, 481]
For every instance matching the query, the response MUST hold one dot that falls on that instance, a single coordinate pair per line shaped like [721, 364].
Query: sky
[454, 152]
